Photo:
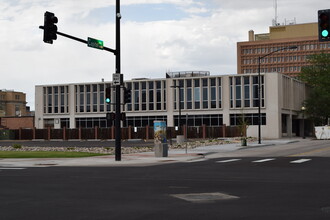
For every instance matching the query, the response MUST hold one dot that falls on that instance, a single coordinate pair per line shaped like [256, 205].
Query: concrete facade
[204, 100]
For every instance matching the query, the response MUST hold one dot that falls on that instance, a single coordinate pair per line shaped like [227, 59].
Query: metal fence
[96, 133]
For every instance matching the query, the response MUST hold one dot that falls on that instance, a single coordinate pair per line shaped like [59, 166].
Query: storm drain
[326, 210]
[205, 197]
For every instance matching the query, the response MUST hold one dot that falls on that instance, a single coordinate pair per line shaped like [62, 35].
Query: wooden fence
[96, 133]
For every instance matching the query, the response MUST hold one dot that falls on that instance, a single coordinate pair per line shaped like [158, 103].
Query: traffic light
[127, 95]
[50, 29]
[108, 95]
[324, 25]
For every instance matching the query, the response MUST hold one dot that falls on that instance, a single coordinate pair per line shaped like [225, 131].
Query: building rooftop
[181, 74]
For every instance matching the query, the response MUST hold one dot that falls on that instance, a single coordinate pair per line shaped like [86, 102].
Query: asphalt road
[237, 186]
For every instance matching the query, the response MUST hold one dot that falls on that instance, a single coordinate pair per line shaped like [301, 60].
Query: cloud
[203, 37]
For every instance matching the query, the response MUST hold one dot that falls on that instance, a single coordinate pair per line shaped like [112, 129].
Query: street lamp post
[179, 121]
[303, 108]
[259, 87]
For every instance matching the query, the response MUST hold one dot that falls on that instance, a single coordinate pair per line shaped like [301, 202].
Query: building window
[231, 92]
[88, 98]
[143, 121]
[129, 105]
[255, 92]
[50, 99]
[246, 91]
[144, 96]
[238, 92]
[81, 98]
[95, 93]
[164, 95]
[205, 94]
[213, 94]
[158, 95]
[197, 96]
[102, 97]
[220, 93]
[151, 95]
[199, 120]
[251, 119]
[62, 100]
[189, 94]
[45, 99]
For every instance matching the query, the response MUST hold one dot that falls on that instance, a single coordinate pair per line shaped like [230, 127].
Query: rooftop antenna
[275, 23]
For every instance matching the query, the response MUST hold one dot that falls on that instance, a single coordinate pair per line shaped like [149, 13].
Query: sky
[156, 36]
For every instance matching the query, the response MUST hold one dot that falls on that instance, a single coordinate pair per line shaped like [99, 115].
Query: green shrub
[17, 146]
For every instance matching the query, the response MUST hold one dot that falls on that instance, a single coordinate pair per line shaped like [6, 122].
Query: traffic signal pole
[50, 28]
[79, 40]
[118, 71]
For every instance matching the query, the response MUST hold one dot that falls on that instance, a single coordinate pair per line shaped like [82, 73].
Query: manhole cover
[204, 197]
[326, 210]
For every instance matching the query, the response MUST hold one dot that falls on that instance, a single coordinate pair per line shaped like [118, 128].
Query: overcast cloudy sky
[157, 36]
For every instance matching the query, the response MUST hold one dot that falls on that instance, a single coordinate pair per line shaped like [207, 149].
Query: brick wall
[17, 122]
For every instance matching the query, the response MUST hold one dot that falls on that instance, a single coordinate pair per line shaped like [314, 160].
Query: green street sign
[98, 44]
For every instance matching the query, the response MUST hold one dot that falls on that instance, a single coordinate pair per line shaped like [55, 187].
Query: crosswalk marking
[300, 161]
[263, 160]
[228, 161]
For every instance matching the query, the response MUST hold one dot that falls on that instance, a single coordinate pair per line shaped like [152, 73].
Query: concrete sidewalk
[139, 159]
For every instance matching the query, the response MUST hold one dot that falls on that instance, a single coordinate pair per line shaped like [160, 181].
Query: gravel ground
[125, 150]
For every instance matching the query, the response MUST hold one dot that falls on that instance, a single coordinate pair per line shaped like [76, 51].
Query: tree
[317, 77]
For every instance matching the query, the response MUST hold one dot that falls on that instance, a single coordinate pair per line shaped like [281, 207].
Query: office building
[201, 98]
[290, 62]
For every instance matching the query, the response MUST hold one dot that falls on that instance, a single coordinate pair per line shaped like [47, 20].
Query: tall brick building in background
[304, 36]
[12, 103]
[14, 113]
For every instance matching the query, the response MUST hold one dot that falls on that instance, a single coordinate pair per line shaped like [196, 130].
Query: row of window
[274, 69]
[280, 59]
[200, 93]
[56, 99]
[244, 91]
[143, 121]
[305, 47]
[250, 119]
[190, 120]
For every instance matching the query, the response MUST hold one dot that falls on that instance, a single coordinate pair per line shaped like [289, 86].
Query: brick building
[12, 103]
[304, 36]
[14, 113]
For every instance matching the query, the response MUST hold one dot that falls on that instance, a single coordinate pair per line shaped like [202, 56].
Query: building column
[72, 106]
[225, 86]
[170, 102]
[289, 124]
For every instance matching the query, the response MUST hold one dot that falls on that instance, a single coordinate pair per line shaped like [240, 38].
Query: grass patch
[46, 154]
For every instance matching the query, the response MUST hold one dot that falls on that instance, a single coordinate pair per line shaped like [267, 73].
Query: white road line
[263, 160]
[228, 161]
[12, 168]
[300, 161]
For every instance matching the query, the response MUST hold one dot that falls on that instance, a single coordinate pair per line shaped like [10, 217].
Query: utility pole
[118, 70]
[50, 34]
